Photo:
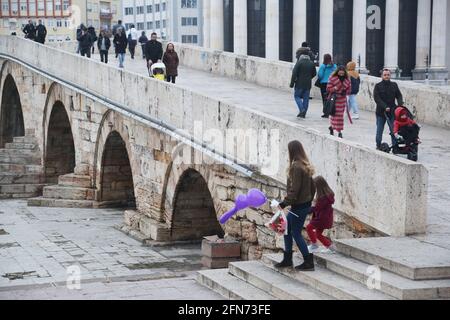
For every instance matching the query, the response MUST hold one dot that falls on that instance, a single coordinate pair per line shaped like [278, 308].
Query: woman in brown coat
[170, 59]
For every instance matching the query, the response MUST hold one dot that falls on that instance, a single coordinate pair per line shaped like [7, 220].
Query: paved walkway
[38, 245]
[434, 152]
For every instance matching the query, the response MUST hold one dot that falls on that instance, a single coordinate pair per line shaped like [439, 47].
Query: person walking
[322, 218]
[91, 31]
[132, 40]
[41, 32]
[29, 30]
[300, 193]
[143, 41]
[85, 42]
[385, 94]
[153, 50]
[120, 42]
[340, 85]
[355, 80]
[171, 60]
[325, 71]
[103, 44]
[302, 75]
[114, 32]
[305, 49]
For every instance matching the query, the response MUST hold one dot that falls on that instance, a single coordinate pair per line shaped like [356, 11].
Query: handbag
[330, 104]
[317, 83]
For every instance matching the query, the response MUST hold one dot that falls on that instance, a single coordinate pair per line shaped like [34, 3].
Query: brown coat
[170, 59]
[300, 187]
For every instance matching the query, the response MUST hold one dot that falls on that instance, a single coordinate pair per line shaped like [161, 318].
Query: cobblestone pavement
[434, 153]
[38, 245]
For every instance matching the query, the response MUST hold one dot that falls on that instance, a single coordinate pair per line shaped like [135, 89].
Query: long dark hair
[340, 68]
[327, 59]
[297, 154]
[167, 48]
[322, 188]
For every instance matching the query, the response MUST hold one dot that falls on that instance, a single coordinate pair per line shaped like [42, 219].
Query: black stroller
[407, 141]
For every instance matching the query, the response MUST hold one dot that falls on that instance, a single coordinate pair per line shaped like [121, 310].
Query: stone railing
[380, 190]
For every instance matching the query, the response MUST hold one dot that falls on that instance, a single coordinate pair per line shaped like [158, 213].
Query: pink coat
[323, 213]
[343, 90]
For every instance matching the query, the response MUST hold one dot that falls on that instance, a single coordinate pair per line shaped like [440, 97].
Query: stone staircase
[21, 172]
[409, 270]
[72, 191]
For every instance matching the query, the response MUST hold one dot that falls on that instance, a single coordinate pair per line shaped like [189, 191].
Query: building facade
[61, 17]
[410, 37]
[174, 20]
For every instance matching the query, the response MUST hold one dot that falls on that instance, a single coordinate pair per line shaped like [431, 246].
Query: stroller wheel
[385, 148]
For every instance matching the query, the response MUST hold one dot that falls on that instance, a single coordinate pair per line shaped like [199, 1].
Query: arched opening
[116, 174]
[194, 215]
[60, 150]
[11, 123]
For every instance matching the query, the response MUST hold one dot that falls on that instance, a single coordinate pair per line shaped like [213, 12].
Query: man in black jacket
[153, 50]
[385, 94]
[85, 42]
[30, 30]
[302, 75]
[41, 32]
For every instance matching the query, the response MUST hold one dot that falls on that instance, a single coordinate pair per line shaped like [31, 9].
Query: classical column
[299, 25]
[326, 27]
[439, 40]
[360, 33]
[391, 34]
[272, 29]
[207, 23]
[216, 36]
[240, 27]
[423, 38]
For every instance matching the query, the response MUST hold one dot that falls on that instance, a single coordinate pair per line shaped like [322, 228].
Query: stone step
[416, 260]
[26, 139]
[390, 283]
[19, 178]
[20, 168]
[18, 189]
[230, 287]
[21, 146]
[326, 281]
[15, 159]
[61, 203]
[19, 152]
[69, 193]
[274, 283]
[73, 180]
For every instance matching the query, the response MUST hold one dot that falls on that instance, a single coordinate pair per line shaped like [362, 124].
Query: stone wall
[362, 178]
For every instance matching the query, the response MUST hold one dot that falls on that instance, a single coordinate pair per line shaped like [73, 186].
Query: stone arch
[11, 116]
[113, 174]
[59, 146]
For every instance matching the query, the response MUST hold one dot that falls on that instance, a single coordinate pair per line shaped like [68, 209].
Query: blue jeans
[121, 59]
[302, 99]
[295, 226]
[381, 123]
[353, 104]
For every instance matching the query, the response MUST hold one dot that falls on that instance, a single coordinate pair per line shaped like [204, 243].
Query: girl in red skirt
[322, 215]
[340, 84]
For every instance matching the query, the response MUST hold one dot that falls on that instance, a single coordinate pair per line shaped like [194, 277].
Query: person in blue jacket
[325, 71]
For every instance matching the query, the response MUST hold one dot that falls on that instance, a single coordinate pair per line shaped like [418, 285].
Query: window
[66, 5]
[164, 6]
[49, 8]
[228, 25]
[67, 23]
[164, 23]
[32, 8]
[149, 8]
[59, 23]
[157, 7]
[14, 7]
[23, 7]
[5, 8]
[189, 39]
[158, 24]
[188, 21]
[128, 11]
[140, 10]
[256, 25]
[150, 25]
[140, 26]
[188, 4]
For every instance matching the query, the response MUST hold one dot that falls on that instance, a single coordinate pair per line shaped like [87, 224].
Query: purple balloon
[256, 198]
[240, 204]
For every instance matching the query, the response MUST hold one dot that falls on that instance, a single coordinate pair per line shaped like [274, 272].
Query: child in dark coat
[322, 215]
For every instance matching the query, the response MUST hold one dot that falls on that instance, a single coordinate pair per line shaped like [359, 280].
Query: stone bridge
[78, 133]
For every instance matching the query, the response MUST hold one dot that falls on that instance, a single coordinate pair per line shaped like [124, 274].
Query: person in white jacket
[132, 40]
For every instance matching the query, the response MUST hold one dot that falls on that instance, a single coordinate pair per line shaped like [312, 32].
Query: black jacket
[85, 40]
[30, 31]
[385, 94]
[153, 51]
[91, 31]
[143, 40]
[303, 73]
[41, 33]
[107, 42]
[120, 42]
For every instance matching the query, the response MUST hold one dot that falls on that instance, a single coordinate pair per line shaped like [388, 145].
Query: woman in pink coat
[340, 84]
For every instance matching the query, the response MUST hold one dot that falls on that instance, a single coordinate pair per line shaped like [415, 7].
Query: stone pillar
[240, 27]
[439, 70]
[272, 29]
[423, 38]
[360, 33]
[299, 25]
[207, 23]
[391, 35]
[216, 36]
[326, 27]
